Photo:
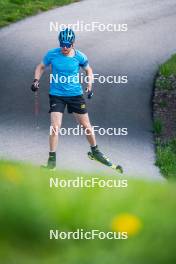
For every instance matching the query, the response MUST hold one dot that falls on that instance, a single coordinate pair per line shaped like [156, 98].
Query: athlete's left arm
[89, 73]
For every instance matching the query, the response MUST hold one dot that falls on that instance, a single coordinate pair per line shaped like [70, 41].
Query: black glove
[35, 85]
[89, 95]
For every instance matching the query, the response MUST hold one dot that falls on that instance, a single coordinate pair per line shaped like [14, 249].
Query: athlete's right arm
[47, 60]
[38, 73]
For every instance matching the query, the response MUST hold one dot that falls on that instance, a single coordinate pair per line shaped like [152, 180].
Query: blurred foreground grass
[29, 209]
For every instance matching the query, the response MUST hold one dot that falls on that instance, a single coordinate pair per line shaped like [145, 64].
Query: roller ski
[95, 154]
[51, 164]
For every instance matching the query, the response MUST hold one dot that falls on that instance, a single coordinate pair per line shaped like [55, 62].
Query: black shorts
[75, 104]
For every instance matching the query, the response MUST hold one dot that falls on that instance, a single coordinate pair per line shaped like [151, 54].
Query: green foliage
[166, 158]
[157, 127]
[169, 67]
[14, 10]
[163, 104]
[163, 83]
[166, 152]
[29, 209]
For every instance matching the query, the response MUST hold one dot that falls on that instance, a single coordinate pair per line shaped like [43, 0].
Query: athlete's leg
[83, 119]
[56, 122]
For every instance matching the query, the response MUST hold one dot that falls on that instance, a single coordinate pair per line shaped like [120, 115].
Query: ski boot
[51, 165]
[97, 155]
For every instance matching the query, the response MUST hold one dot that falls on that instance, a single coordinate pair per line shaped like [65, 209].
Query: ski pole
[36, 109]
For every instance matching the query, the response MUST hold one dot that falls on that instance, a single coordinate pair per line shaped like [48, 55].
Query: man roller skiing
[66, 61]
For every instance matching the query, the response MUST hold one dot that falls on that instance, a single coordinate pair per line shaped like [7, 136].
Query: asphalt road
[149, 41]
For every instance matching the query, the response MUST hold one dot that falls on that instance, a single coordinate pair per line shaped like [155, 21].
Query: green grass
[29, 209]
[165, 152]
[14, 10]
[164, 84]
[166, 158]
[163, 104]
[169, 67]
[157, 127]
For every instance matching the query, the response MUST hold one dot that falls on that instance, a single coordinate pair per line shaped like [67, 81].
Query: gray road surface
[150, 40]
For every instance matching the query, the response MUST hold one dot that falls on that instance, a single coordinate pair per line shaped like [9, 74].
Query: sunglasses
[67, 45]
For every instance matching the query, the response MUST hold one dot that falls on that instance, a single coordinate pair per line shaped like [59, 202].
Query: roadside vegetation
[164, 109]
[14, 10]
